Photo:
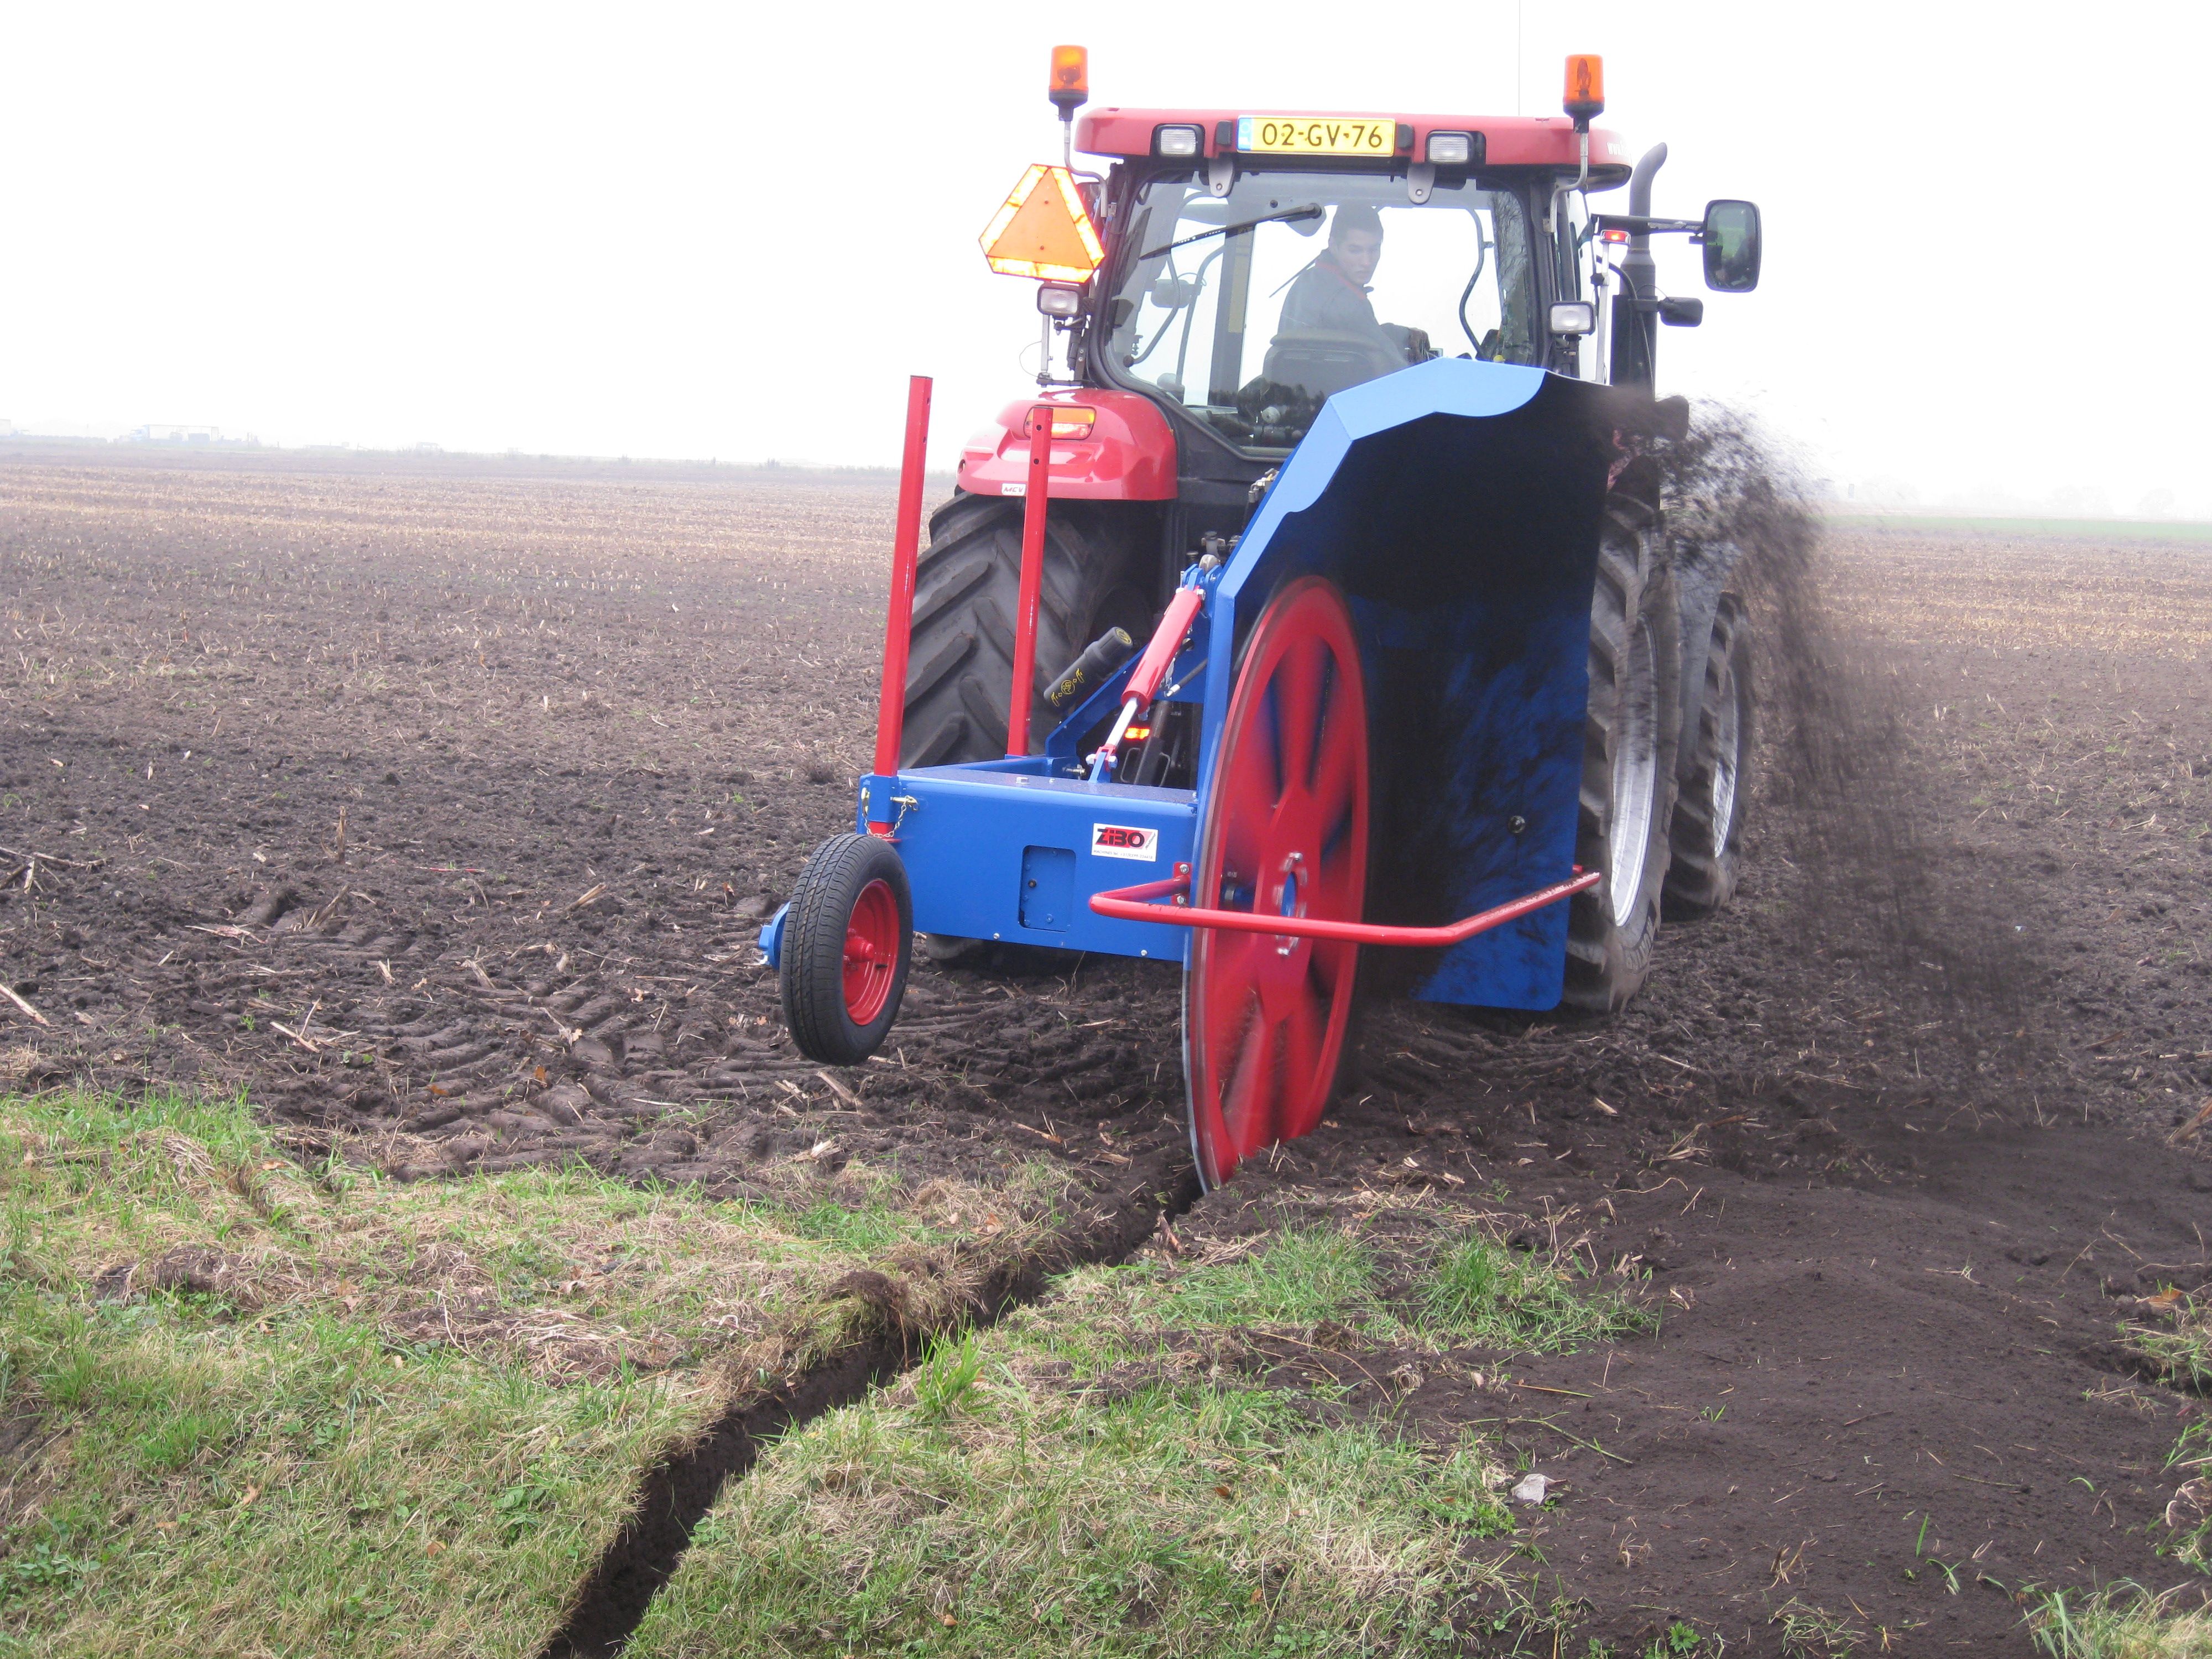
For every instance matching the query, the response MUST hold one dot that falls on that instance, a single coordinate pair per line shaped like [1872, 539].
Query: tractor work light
[1060, 300]
[1585, 95]
[1574, 317]
[1451, 150]
[1177, 141]
[1069, 420]
[1070, 86]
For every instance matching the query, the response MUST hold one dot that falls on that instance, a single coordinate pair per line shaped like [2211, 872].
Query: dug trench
[870, 1327]
[437, 806]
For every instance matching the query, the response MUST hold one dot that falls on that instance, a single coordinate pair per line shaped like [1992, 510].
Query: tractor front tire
[1716, 778]
[846, 939]
[1628, 769]
[967, 594]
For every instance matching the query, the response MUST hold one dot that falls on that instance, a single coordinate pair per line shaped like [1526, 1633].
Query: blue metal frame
[1458, 505]
[980, 842]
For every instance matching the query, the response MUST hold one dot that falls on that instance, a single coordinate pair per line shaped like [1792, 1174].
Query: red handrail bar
[1025, 607]
[898, 621]
[1132, 904]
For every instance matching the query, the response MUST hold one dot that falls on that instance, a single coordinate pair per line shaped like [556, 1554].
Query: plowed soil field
[437, 806]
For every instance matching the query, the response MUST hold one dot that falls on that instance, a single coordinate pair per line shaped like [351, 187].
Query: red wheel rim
[871, 943]
[1286, 829]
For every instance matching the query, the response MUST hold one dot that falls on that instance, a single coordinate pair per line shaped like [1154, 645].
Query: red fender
[1126, 453]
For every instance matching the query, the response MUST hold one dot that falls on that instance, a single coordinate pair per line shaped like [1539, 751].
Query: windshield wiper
[1311, 211]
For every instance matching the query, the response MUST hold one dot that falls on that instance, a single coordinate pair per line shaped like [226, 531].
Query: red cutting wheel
[1286, 830]
[873, 950]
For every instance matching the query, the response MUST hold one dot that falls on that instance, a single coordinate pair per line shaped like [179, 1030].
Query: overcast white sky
[732, 231]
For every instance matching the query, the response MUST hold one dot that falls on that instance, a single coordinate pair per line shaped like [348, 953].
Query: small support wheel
[1285, 829]
[846, 940]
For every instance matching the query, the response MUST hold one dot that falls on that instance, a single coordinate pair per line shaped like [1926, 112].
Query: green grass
[1113, 1471]
[1301, 1277]
[1483, 1291]
[2191, 1535]
[205, 1488]
[2123, 1621]
[2182, 1351]
[1467, 1288]
[992, 1505]
[250, 1407]
[256, 1409]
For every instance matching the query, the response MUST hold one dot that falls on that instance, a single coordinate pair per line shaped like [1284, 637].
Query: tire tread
[811, 963]
[1607, 962]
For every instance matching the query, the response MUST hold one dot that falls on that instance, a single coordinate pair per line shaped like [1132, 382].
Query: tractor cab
[1231, 271]
[1258, 265]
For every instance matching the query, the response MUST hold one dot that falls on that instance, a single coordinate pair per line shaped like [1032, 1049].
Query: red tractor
[1352, 417]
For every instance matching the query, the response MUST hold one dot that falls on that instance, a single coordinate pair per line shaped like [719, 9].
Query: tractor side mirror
[1731, 237]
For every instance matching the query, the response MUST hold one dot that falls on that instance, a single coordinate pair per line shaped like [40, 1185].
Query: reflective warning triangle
[1042, 230]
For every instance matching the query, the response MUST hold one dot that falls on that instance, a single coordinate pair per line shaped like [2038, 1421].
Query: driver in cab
[1330, 295]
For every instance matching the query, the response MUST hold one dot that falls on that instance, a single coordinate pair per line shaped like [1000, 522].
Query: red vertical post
[1025, 608]
[898, 622]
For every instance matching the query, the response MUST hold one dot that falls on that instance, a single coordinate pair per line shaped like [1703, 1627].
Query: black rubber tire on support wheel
[1716, 778]
[846, 940]
[1628, 766]
[967, 590]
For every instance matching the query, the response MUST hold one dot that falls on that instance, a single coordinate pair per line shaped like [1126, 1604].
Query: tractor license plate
[1318, 134]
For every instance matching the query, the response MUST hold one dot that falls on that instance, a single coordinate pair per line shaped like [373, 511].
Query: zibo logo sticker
[1115, 840]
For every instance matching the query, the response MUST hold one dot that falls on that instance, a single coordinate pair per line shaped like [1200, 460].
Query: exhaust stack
[1636, 313]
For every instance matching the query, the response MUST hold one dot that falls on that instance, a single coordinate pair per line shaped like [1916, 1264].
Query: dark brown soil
[1878, 1317]
[583, 727]
[581, 734]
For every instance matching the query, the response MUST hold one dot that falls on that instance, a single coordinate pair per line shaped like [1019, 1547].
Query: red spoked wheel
[848, 933]
[1285, 830]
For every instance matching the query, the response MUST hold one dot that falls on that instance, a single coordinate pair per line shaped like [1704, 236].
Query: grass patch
[2122, 1621]
[194, 1488]
[1301, 1277]
[2189, 1514]
[1122, 1469]
[994, 1503]
[246, 1407]
[1467, 1288]
[1483, 1291]
[2182, 1351]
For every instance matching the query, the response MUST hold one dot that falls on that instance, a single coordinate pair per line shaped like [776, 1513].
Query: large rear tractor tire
[846, 939]
[1716, 778]
[1628, 769]
[967, 594]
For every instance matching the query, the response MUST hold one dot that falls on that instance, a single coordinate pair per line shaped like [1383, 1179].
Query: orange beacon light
[1071, 80]
[1585, 92]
